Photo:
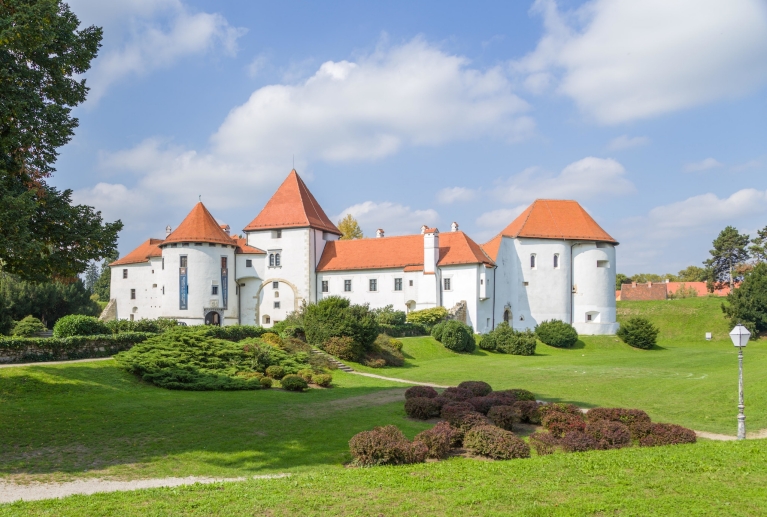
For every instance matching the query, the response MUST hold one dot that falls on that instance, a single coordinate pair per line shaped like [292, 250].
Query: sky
[650, 114]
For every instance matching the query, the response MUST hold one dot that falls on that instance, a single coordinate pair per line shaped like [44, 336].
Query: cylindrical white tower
[594, 288]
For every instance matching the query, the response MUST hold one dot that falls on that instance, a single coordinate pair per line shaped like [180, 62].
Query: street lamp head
[739, 335]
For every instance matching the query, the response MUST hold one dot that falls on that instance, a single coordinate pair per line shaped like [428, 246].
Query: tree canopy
[350, 228]
[758, 246]
[42, 235]
[729, 252]
[748, 303]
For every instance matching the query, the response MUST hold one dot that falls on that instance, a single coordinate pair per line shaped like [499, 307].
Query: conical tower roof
[199, 226]
[292, 206]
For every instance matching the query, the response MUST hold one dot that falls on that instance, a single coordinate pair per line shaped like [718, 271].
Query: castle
[552, 262]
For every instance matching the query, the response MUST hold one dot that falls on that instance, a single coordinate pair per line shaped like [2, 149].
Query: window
[267, 319]
[525, 283]
[324, 286]
[274, 259]
[532, 261]
[163, 289]
[223, 262]
[153, 271]
[154, 286]
[481, 281]
[214, 290]
[276, 234]
[556, 260]
[347, 285]
[373, 283]
[276, 294]
[446, 282]
[588, 317]
[603, 263]
[212, 244]
[397, 284]
[248, 263]
[276, 305]
[163, 262]
[271, 260]
[132, 294]
[125, 273]
[183, 260]
[411, 283]
[131, 317]
[184, 244]
[275, 285]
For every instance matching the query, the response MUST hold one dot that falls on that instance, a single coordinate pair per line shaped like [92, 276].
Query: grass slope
[703, 479]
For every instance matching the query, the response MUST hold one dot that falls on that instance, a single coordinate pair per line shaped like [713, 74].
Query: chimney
[454, 227]
[226, 228]
[423, 229]
[430, 250]
[167, 231]
[379, 233]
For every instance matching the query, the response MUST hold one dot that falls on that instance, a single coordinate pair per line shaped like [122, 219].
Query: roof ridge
[529, 213]
[546, 202]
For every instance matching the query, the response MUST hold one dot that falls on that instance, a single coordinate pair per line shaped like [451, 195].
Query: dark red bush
[466, 421]
[577, 441]
[483, 404]
[478, 388]
[635, 419]
[504, 416]
[667, 434]
[559, 407]
[640, 429]
[560, 424]
[438, 440]
[422, 408]
[517, 394]
[421, 391]
[496, 443]
[543, 443]
[529, 411]
[459, 394]
[609, 434]
[452, 409]
[385, 446]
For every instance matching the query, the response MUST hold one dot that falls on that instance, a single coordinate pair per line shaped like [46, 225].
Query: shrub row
[506, 340]
[456, 336]
[403, 330]
[13, 350]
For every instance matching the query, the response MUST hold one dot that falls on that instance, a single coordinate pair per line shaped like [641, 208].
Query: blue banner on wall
[183, 289]
[224, 286]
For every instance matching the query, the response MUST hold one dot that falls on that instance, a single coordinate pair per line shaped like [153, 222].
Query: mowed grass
[711, 478]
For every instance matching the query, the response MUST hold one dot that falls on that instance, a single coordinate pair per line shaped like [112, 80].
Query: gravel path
[404, 381]
[10, 492]
[46, 363]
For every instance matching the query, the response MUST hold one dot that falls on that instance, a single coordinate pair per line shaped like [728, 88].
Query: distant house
[648, 291]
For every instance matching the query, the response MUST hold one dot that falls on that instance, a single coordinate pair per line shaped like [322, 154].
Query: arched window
[506, 315]
[556, 260]
[267, 319]
[532, 261]
[271, 260]
[276, 260]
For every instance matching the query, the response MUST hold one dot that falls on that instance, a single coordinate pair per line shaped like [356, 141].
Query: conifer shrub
[272, 339]
[322, 379]
[422, 408]
[559, 424]
[457, 336]
[458, 394]
[609, 434]
[265, 382]
[504, 416]
[478, 388]
[78, 325]
[496, 443]
[438, 440]
[28, 327]
[529, 411]
[292, 382]
[306, 374]
[275, 372]
[421, 391]
[638, 332]
[343, 347]
[667, 434]
[557, 333]
[510, 341]
[385, 446]
[543, 443]
[487, 342]
[578, 441]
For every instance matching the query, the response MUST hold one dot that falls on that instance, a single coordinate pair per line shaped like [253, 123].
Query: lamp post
[739, 336]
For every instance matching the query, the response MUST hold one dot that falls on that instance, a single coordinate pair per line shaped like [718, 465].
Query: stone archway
[268, 281]
[213, 317]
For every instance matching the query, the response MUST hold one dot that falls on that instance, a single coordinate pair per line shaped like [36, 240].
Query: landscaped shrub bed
[421, 391]
[478, 388]
[28, 327]
[385, 446]
[496, 443]
[438, 440]
[79, 325]
[422, 408]
[506, 340]
[557, 333]
[456, 336]
[504, 416]
[13, 350]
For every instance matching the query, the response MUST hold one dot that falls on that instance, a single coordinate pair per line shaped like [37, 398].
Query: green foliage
[275, 372]
[265, 382]
[621, 279]
[28, 327]
[457, 336]
[293, 383]
[387, 349]
[143, 325]
[350, 228]
[693, 274]
[336, 317]
[510, 341]
[322, 379]
[683, 292]
[427, 317]
[487, 341]
[345, 348]
[388, 316]
[758, 248]
[405, 330]
[729, 252]
[748, 303]
[639, 332]
[76, 347]
[557, 333]
[78, 325]
[436, 330]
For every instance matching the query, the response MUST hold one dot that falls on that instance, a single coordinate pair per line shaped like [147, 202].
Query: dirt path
[394, 379]
[10, 492]
[47, 363]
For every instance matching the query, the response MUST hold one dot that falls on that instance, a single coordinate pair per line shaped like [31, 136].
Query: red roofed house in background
[553, 261]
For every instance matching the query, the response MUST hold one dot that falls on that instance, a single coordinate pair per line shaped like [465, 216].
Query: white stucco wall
[360, 293]
[594, 286]
[143, 277]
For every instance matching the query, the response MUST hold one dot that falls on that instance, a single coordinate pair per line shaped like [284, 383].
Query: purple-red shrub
[635, 419]
[543, 443]
[422, 408]
[559, 407]
[477, 388]
[458, 394]
[504, 416]
[483, 404]
[517, 394]
[421, 391]
[577, 441]
[385, 446]
[469, 420]
[609, 434]
[668, 434]
[529, 411]
[438, 440]
[560, 424]
[452, 409]
[496, 443]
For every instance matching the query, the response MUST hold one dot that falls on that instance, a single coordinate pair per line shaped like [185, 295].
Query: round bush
[510, 341]
[483, 404]
[578, 441]
[421, 391]
[293, 383]
[265, 382]
[543, 443]
[504, 416]
[636, 420]
[469, 420]
[667, 434]
[422, 408]
[452, 409]
[345, 348]
[28, 327]
[609, 434]
[487, 342]
[639, 333]
[457, 336]
[322, 379]
[385, 446]
[437, 440]
[478, 388]
[458, 394]
[495, 443]
[560, 407]
[276, 372]
[529, 411]
[78, 325]
[559, 424]
[436, 331]
[306, 374]
[557, 333]
[516, 394]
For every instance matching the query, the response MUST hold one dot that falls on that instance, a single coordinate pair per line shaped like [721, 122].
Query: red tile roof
[292, 206]
[244, 249]
[399, 252]
[551, 219]
[199, 226]
[143, 253]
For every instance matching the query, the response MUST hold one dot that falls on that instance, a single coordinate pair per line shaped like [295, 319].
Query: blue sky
[651, 114]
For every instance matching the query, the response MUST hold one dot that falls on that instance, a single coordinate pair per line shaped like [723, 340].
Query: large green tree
[758, 246]
[693, 274]
[729, 252]
[748, 303]
[42, 51]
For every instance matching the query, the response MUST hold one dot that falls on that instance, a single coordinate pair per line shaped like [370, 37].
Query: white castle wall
[594, 285]
[146, 279]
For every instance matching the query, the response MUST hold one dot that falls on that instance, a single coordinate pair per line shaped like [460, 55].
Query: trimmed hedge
[668, 434]
[422, 408]
[559, 424]
[609, 434]
[495, 443]
[478, 388]
[436, 330]
[28, 327]
[427, 317]
[385, 446]
[79, 325]
[504, 416]
[557, 333]
[457, 336]
[638, 332]
[578, 441]
[437, 440]
[403, 330]
[17, 350]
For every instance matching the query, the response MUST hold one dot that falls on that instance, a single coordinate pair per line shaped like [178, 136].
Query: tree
[621, 279]
[91, 277]
[748, 303]
[729, 252]
[350, 228]
[693, 274]
[42, 235]
[104, 282]
[643, 278]
[758, 246]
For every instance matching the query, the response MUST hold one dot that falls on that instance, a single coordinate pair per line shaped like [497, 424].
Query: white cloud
[703, 210]
[626, 142]
[450, 195]
[622, 61]
[703, 165]
[258, 64]
[395, 219]
[751, 164]
[500, 218]
[141, 36]
[585, 179]
[113, 200]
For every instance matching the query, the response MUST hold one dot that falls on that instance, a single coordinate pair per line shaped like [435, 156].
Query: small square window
[248, 263]
[447, 284]
[525, 283]
[588, 317]
[347, 285]
[132, 294]
[410, 284]
[275, 285]
[183, 260]
[125, 273]
[153, 271]
[214, 290]
[324, 286]
[603, 263]
[397, 284]
[276, 305]
[276, 234]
